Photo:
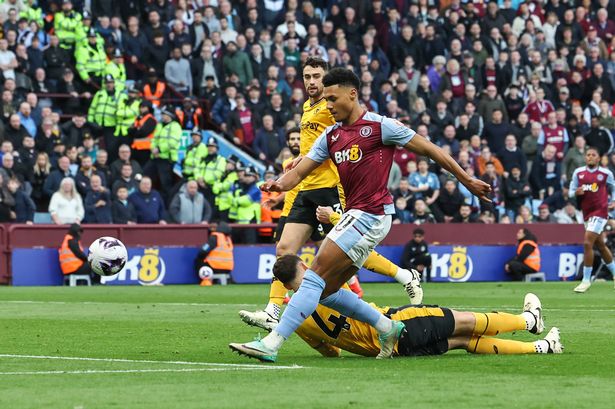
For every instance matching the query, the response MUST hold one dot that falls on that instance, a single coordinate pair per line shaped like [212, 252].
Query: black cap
[168, 111]
[251, 171]
[196, 131]
[117, 53]
[212, 142]
[232, 159]
[86, 15]
[67, 2]
[270, 169]
[109, 78]
[91, 32]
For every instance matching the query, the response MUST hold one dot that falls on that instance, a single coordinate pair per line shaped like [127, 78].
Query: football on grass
[107, 256]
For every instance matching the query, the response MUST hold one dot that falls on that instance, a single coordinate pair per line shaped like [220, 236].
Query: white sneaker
[532, 304]
[414, 289]
[260, 319]
[555, 344]
[583, 287]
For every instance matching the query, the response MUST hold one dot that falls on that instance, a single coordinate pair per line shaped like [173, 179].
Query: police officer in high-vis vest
[91, 60]
[32, 13]
[210, 171]
[222, 188]
[195, 153]
[216, 256]
[117, 69]
[527, 260]
[165, 146]
[66, 25]
[71, 256]
[127, 112]
[103, 111]
[142, 132]
[246, 204]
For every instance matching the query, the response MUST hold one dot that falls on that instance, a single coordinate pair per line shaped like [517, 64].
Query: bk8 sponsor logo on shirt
[352, 155]
[593, 187]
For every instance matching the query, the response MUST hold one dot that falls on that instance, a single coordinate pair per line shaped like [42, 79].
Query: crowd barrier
[164, 254]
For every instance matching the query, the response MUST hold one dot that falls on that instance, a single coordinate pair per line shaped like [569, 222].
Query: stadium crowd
[96, 96]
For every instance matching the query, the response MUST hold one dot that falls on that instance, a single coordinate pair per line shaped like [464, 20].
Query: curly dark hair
[316, 62]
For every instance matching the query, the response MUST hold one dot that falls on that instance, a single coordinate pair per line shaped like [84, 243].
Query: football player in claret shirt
[362, 145]
[594, 187]
[319, 188]
[428, 330]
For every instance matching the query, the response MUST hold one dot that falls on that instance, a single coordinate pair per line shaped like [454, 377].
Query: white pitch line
[95, 371]
[144, 361]
[196, 304]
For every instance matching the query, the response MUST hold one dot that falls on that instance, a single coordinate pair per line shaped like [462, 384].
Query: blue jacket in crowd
[149, 207]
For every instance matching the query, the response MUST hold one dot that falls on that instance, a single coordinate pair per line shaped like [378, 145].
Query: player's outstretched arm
[291, 178]
[422, 146]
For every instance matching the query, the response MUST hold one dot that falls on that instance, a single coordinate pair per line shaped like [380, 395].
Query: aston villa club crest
[365, 131]
[600, 178]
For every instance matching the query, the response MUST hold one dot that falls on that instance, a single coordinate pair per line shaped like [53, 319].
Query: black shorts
[318, 233]
[428, 328]
[306, 202]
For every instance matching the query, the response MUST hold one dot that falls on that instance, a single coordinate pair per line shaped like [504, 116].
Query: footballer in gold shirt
[315, 119]
[293, 137]
[429, 330]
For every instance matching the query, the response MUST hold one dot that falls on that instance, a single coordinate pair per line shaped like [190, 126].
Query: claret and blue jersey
[363, 153]
[598, 185]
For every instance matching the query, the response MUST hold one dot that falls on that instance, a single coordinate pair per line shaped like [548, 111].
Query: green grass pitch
[161, 347]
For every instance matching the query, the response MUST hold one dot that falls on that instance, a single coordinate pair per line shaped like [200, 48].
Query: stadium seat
[42, 218]
[74, 278]
[539, 276]
[222, 278]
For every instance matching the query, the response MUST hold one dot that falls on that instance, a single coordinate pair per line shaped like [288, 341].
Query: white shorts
[358, 233]
[595, 224]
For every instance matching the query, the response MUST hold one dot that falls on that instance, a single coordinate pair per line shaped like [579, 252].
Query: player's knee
[464, 323]
[458, 342]
[285, 247]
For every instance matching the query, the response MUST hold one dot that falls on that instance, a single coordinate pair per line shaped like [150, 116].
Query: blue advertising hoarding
[253, 264]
